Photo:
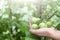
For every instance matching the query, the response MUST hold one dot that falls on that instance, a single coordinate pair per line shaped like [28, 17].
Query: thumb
[30, 23]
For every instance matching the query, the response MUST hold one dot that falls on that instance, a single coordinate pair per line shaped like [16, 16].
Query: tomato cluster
[37, 23]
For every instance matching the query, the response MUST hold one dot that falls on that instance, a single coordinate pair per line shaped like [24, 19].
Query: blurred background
[15, 15]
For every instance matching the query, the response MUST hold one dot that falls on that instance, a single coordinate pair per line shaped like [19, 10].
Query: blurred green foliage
[14, 19]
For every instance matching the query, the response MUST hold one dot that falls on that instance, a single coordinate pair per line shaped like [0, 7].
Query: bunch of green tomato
[37, 23]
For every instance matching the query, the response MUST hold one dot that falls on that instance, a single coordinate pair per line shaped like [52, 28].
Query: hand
[48, 32]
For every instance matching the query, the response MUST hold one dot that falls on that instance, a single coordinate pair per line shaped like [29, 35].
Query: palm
[48, 32]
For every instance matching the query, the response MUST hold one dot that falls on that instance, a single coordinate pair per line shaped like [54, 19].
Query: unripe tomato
[38, 19]
[42, 25]
[49, 23]
[35, 20]
[58, 8]
[35, 26]
[52, 20]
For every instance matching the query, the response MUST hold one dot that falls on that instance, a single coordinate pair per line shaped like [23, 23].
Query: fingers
[38, 31]
[41, 32]
[34, 31]
[52, 28]
[30, 23]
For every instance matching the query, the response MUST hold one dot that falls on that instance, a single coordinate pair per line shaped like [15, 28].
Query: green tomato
[52, 20]
[35, 20]
[58, 8]
[35, 26]
[42, 25]
[38, 19]
[49, 23]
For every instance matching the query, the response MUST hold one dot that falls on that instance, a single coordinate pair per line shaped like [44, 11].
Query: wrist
[56, 35]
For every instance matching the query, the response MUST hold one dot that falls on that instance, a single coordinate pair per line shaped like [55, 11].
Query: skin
[48, 32]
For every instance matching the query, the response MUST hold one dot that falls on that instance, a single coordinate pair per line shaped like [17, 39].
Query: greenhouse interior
[29, 19]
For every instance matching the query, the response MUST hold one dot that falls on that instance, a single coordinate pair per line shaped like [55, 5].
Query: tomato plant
[15, 15]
